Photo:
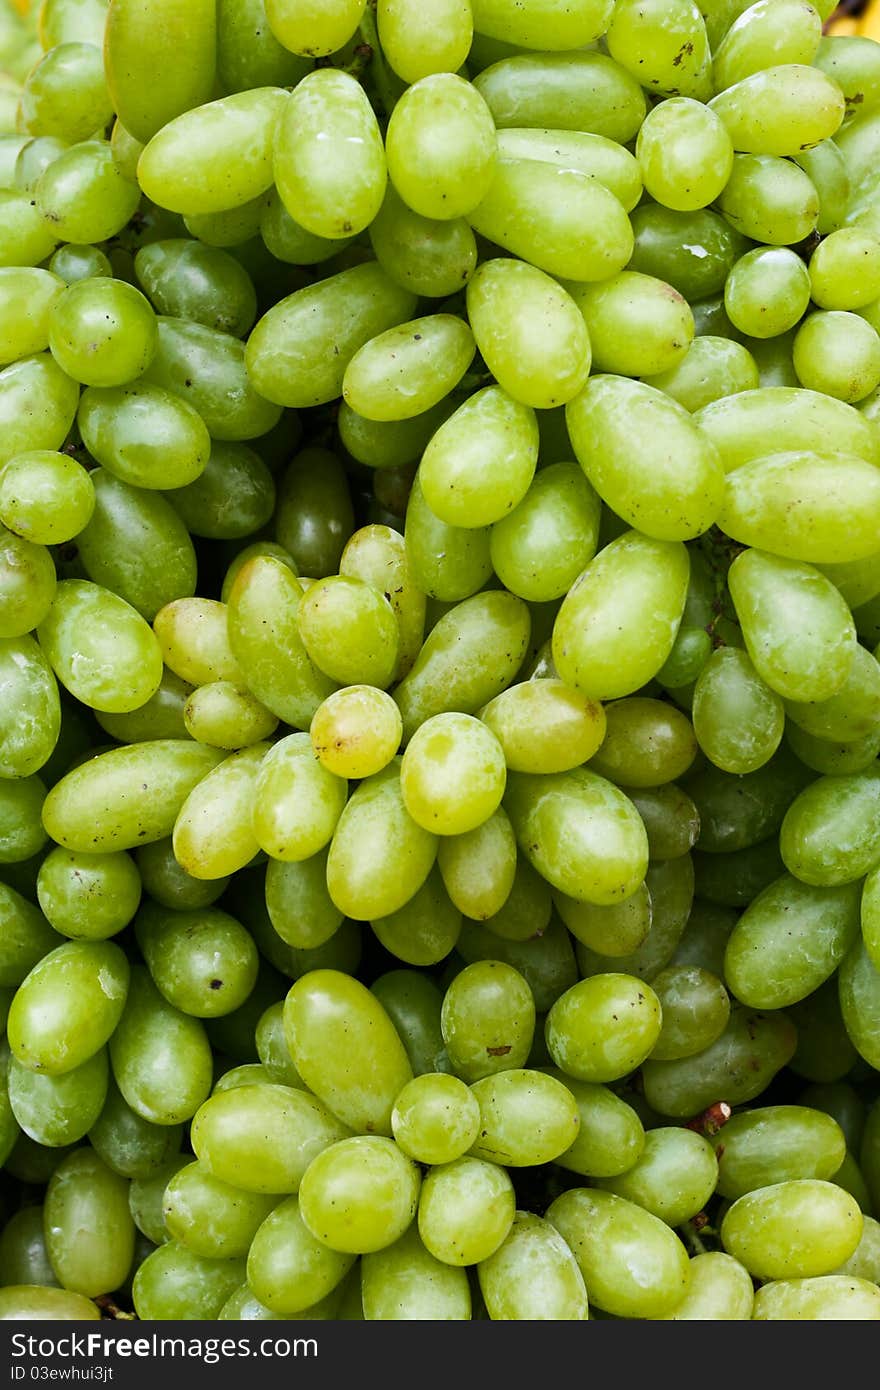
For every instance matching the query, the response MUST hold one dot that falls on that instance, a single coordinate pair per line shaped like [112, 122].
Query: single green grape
[46, 497]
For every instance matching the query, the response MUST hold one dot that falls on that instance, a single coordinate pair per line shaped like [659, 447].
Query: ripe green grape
[407, 370]
[46, 497]
[838, 353]
[487, 1020]
[685, 154]
[288, 1268]
[297, 802]
[568, 91]
[664, 45]
[796, 1229]
[769, 199]
[360, 1194]
[595, 155]
[173, 40]
[591, 1038]
[68, 1006]
[356, 731]
[780, 109]
[764, 34]
[738, 719]
[466, 1209]
[65, 94]
[89, 1231]
[89, 896]
[440, 145]
[767, 292]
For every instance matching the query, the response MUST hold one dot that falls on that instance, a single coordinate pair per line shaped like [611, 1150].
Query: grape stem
[690, 1234]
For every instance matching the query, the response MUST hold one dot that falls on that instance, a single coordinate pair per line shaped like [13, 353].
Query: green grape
[544, 543]
[299, 903]
[441, 146]
[23, 1254]
[638, 326]
[664, 45]
[845, 270]
[418, 40]
[338, 194]
[824, 1051]
[618, 622]
[852, 713]
[425, 929]
[289, 1269]
[859, 981]
[695, 1010]
[671, 819]
[227, 716]
[677, 491]
[685, 154]
[89, 1231]
[216, 157]
[355, 732]
[763, 35]
[613, 930]
[404, 1281]
[807, 657]
[168, 883]
[852, 63]
[647, 743]
[480, 462]
[561, 220]
[793, 418]
[546, 24]
[487, 1020]
[777, 1143]
[136, 545]
[27, 296]
[360, 1194]
[692, 251]
[202, 283]
[827, 1297]
[103, 332]
[265, 639]
[863, 1263]
[58, 1110]
[838, 353]
[203, 962]
[453, 774]
[46, 497]
[175, 1283]
[739, 811]
[800, 1228]
[37, 1302]
[436, 1118]
[738, 1065]
[31, 718]
[529, 333]
[469, 657]
[27, 238]
[21, 827]
[313, 30]
[533, 1275]
[828, 836]
[273, 1050]
[299, 350]
[212, 835]
[738, 718]
[780, 109]
[27, 574]
[466, 1209]
[232, 497]
[315, 516]
[413, 1003]
[210, 1217]
[408, 370]
[856, 579]
[262, 1138]
[144, 435]
[673, 1177]
[88, 896]
[450, 562]
[65, 94]
[633, 1264]
[426, 255]
[527, 909]
[346, 1049]
[71, 263]
[129, 1144]
[248, 53]
[83, 195]
[232, 228]
[720, 1289]
[769, 200]
[610, 1137]
[37, 406]
[569, 91]
[206, 368]
[174, 41]
[68, 1006]
[100, 648]
[602, 159]
[767, 292]
[297, 802]
[288, 241]
[826, 168]
[590, 1038]
[25, 939]
[250, 552]
[248, 1074]
[526, 1118]
[479, 867]
[705, 936]
[126, 151]
[161, 1058]
[349, 630]
[33, 158]
[545, 725]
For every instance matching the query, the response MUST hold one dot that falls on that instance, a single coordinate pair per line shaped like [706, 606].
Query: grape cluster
[439, 680]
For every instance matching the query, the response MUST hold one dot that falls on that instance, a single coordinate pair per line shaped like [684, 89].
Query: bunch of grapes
[439, 680]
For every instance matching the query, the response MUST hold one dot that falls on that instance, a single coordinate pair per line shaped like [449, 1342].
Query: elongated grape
[632, 1263]
[544, 543]
[91, 896]
[738, 719]
[673, 1177]
[499, 431]
[440, 145]
[545, 726]
[646, 744]
[28, 584]
[371, 883]
[777, 1144]
[519, 1101]
[560, 219]
[797, 1229]
[46, 497]
[769, 200]
[174, 1282]
[89, 1231]
[171, 39]
[685, 154]
[466, 1208]
[827, 1297]
[618, 622]
[738, 1065]
[83, 196]
[37, 405]
[664, 46]
[720, 1289]
[426, 255]
[144, 435]
[407, 370]
[289, 1269]
[591, 1038]
[293, 1127]
[602, 159]
[100, 648]
[487, 1020]
[795, 419]
[572, 91]
[829, 835]
[68, 1006]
